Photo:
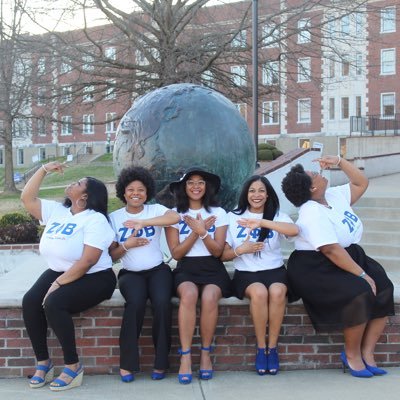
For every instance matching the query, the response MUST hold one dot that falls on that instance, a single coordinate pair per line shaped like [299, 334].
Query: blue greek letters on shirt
[147, 231]
[65, 229]
[185, 230]
[350, 220]
[254, 234]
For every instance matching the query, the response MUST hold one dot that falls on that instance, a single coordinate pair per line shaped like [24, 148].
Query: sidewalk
[287, 385]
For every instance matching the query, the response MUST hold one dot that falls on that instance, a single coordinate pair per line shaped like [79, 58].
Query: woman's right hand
[54, 166]
[248, 247]
[371, 283]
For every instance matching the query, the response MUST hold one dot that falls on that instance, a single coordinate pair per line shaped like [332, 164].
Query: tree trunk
[9, 185]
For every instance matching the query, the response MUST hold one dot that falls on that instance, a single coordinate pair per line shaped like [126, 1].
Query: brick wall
[97, 333]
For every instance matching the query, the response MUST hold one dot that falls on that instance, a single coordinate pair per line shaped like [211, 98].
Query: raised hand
[248, 247]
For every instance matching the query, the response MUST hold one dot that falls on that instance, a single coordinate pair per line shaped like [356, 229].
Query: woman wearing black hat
[197, 242]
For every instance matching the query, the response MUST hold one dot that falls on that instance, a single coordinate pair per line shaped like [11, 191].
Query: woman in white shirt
[256, 227]
[341, 287]
[197, 243]
[75, 244]
[144, 275]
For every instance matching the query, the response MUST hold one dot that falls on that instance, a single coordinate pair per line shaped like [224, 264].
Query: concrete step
[381, 249]
[376, 224]
[378, 212]
[383, 237]
[379, 202]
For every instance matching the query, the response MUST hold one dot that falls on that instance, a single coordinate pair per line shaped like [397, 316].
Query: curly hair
[182, 200]
[97, 196]
[296, 185]
[271, 206]
[130, 174]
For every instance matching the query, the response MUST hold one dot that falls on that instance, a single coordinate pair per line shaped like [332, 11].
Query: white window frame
[66, 125]
[20, 157]
[270, 112]
[239, 73]
[65, 67]
[42, 153]
[242, 108]
[331, 68]
[110, 53]
[110, 122]
[111, 93]
[41, 97]
[66, 94]
[271, 35]
[87, 62]
[304, 35]
[386, 95]
[359, 64]
[304, 69]
[331, 108]
[88, 94]
[41, 66]
[208, 76]
[345, 66]
[359, 23]
[303, 106]
[1, 156]
[270, 73]
[344, 111]
[345, 25]
[388, 19]
[88, 124]
[41, 126]
[388, 61]
[358, 106]
[240, 40]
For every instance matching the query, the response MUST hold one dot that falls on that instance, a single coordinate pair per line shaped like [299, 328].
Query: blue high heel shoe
[184, 379]
[59, 385]
[375, 370]
[127, 378]
[37, 381]
[363, 373]
[206, 374]
[157, 376]
[261, 361]
[273, 361]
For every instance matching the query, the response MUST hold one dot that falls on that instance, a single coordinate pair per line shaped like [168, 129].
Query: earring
[80, 206]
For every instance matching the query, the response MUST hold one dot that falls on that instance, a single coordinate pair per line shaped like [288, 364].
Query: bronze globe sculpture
[178, 126]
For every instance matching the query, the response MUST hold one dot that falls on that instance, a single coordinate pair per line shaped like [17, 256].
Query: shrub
[268, 152]
[16, 228]
[265, 155]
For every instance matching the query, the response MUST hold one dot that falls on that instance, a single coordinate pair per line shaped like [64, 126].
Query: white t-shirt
[270, 256]
[199, 249]
[320, 225]
[143, 257]
[66, 234]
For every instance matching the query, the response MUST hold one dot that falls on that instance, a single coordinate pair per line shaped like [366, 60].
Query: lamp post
[255, 73]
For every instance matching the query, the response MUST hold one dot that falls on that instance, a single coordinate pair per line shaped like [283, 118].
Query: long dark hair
[182, 199]
[271, 206]
[97, 196]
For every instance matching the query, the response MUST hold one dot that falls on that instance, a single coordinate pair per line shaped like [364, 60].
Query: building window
[65, 67]
[358, 23]
[110, 53]
[1, 157]
[240, 40]
[88, 63]
[207, 77]
[331, 26]
[387, 105]
[41, 126]
[303, 110]
[270, 112]
[304, 70]
[88, 93]
[359, 64]
[66, 94]
[345, 25]
[141, 58]
[88, 124]
[331, 108]
[304, 35]
[66, 125]
[270, 35]
[111, 93]
[20, 156]
[388, 61]
[242, 108]
[388, 19]
[21, 127]
[41, 66]
[238, 73]
[331, 68]
[42, 153]
[358, 106]
[344, 112]
[41, 99]
[110, 122]
[270, 73]
[345, 70]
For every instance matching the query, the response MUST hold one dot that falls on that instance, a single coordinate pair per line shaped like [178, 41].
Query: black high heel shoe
[363, 373]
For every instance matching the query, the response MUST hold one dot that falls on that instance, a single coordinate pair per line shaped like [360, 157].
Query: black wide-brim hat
[208, 176]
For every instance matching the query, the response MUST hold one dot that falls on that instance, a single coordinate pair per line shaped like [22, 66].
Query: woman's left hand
[52, 289]
[371, 283]
[135, 224]
[197, 225]
[249, 223]
[326, 162]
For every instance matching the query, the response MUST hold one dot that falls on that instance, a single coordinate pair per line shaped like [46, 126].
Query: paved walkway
[287, 385]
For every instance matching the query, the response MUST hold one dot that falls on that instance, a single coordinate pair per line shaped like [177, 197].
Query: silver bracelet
[44, 168]
[204, 236]
[123, 246]
[338, 161]
[362, 275]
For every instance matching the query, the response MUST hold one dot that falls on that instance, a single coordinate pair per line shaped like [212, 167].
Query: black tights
[72, 298]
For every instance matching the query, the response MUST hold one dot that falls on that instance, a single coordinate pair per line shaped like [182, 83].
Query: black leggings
[136, 287]
[72, 298]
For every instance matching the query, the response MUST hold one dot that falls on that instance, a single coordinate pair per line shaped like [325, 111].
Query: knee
[277, 293]
[188, 297]
[259, 295]
[210, 298]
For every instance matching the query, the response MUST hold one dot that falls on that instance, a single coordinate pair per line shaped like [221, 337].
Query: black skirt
[203, 271]
[334, 298]
[243, 279]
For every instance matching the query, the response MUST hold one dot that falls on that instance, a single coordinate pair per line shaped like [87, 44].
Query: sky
[52, 10]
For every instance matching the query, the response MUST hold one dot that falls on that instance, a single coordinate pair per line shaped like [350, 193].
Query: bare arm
[284, 228]
[339, 256]
[169, 218]
[246, 247]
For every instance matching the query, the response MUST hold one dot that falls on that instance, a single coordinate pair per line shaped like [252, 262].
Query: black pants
[136, 287]
[72, 298]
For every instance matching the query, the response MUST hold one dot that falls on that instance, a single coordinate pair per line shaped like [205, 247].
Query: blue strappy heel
[206, 374]
[261, 361]
[37, 381]
[184, 379]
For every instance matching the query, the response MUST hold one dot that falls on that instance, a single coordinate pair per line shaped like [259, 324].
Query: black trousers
[136, 287]
[72, 298]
